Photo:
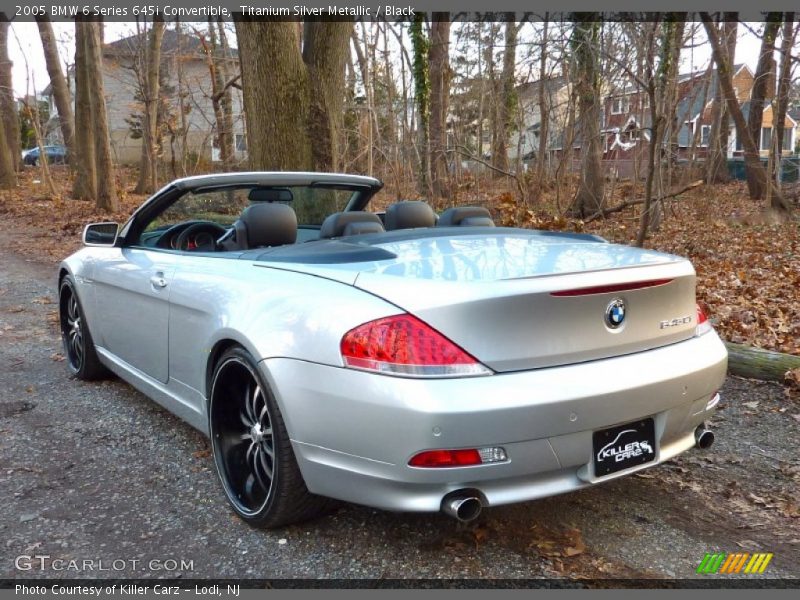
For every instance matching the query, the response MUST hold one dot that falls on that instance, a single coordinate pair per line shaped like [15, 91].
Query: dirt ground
[93, 471]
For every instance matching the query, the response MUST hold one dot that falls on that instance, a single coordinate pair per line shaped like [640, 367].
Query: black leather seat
[350, 223]
[262, 225]
[409, 214]
[466, 216]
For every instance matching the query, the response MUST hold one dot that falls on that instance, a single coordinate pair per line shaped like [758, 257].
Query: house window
[685, 137]
[705, 134]
[241, 143]
[766, 138]
[787, 140]
[619, 105]
[739, 145]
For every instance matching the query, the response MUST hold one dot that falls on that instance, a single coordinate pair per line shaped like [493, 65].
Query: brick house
[626, 120]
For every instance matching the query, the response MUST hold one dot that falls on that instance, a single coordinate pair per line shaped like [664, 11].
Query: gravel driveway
[92, 472]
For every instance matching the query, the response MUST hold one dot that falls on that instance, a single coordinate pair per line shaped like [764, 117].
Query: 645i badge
[623, 446]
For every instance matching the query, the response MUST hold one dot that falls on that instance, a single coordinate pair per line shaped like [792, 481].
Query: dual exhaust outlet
[466, 506]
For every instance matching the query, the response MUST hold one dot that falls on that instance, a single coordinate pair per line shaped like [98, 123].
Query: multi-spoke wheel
[251, 447]
[82, 359]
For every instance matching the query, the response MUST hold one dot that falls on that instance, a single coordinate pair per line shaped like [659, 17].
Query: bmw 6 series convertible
[405, 360]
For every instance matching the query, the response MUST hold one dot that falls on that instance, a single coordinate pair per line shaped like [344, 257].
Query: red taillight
[446, 458]
[404, 345]
[703, 324]
[431, 459]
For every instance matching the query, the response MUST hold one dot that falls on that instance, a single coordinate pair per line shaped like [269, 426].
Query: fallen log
[755, 363]
[629, 203]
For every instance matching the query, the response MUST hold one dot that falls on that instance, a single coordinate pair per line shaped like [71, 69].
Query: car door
[132, 288]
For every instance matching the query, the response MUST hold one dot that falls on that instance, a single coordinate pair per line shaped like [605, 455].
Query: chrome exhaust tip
[703, 438]
[463, 506]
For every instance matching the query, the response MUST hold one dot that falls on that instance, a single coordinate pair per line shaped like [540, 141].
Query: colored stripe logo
[735, 563]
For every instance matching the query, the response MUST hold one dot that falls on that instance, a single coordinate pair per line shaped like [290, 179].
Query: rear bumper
[354, 432]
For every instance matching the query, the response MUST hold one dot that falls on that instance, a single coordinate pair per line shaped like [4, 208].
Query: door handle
[158, 280]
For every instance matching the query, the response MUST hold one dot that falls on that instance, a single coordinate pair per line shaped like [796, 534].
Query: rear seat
[342, 224]
[409, 214]
[466, 216]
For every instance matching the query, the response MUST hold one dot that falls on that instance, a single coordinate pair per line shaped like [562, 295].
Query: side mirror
[100, 234]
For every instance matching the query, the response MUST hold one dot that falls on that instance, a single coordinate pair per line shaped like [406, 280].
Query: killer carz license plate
[623, 446]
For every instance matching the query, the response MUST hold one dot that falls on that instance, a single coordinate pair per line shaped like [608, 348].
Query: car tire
[79, 351]
[250, 445]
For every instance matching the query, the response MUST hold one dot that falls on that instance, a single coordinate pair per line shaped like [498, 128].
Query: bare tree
[106, 181]
[296, 125]
[439, 60]
[8, 106]
[763, 88]
[148, 165]
[716, 165]
[506, 105]
[422, 92]
[58, 83]
[585, 46]
[8, 176]
[752, 159]
[788, 37]
[544, 110]
[85, 183]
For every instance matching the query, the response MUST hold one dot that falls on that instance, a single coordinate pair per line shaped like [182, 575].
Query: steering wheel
[200, 237]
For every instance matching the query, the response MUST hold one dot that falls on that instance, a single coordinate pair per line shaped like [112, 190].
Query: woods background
[582, 121]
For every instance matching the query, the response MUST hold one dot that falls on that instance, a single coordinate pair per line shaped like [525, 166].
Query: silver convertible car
[403, 360]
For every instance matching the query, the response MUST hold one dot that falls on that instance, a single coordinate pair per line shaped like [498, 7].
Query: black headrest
[466, 216]
[269, 225]
[350, 223]
[409, 214]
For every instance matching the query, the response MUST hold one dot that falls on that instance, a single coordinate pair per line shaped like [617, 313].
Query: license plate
[623, 447]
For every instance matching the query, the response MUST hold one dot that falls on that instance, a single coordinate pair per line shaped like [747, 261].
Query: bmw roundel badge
[615, 313]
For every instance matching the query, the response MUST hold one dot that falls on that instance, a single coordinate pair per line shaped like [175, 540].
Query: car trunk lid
[518, 301]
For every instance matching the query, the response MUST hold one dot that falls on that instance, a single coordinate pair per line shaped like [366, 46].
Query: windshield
[223, 206]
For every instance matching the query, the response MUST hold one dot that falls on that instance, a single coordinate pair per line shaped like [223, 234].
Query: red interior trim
[606, 289]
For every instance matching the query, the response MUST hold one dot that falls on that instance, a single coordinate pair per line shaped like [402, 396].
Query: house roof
[173, 43]
[531, 88]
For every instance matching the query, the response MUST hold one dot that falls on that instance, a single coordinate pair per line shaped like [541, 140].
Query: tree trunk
[719, 139]
[325, 49]
[585, 40]
[439, 61]
[226, 101]
[363, 67]
[148, 166]
[8, 106]
[763, 87]
[782, 100]
[104, 167]
[716, 165]
[84, 186]
[276, 121]
[222, 137]
[58, 83]
[8, 176]
[296, 126]
[747, 361]
[751, 155]
[544, 112]
[507, 101]
[422, 90]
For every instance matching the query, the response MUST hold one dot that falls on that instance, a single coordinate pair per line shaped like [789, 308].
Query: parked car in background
[54, 154]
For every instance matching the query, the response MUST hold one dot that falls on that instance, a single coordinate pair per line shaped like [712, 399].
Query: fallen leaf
[751, 405]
